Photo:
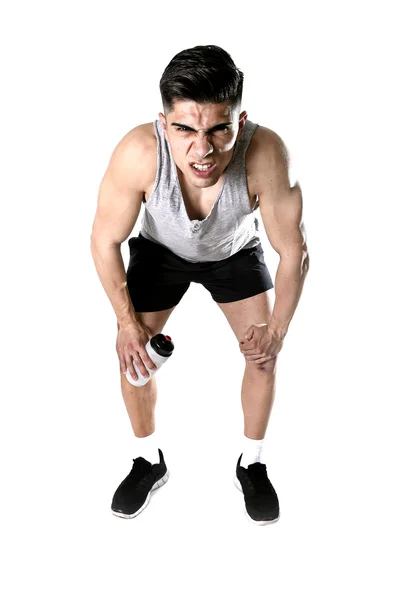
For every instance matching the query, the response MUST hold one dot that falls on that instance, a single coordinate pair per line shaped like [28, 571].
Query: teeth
[202, 167]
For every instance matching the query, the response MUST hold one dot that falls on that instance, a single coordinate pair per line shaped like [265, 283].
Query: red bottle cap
[169, 339]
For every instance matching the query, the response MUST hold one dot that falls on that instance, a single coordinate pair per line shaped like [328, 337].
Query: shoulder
[135, 155]
[268, 156]
[269, 166]
[141, 138]
[267, 145]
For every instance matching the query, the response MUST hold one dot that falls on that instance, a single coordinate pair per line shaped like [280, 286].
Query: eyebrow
[210, 129]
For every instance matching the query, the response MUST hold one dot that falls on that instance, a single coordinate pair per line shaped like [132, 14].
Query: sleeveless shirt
[229, 227]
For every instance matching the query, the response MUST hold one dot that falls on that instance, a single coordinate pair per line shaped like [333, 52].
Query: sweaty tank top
[229, 227]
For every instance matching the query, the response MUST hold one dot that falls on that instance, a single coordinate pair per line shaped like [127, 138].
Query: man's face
[202, 134]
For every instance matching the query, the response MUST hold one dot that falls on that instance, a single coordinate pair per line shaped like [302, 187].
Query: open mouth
[203, 169]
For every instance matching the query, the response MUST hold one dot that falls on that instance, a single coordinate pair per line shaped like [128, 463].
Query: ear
[162, 118]
[241, 122]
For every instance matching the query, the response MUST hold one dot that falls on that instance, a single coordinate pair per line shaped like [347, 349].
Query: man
[202, 169]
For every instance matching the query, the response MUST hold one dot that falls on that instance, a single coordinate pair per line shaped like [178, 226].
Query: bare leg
[257, 398]
[140, 404]
[140, 400]
[258, 386]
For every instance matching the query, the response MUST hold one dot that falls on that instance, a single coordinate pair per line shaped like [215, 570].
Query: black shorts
[157, 278]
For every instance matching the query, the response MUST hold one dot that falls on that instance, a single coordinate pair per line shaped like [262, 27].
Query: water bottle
[159, 348]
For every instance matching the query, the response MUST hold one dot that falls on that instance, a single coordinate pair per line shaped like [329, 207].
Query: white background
[76, 77]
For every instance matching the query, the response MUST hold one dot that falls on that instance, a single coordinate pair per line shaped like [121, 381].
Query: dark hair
[203, 74]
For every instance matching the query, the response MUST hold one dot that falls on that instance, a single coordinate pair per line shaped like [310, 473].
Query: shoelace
[257, 478]
[140, 473]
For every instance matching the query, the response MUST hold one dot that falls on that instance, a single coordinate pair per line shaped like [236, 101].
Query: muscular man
[202, 169]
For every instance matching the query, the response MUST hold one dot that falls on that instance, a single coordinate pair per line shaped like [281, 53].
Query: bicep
[282, 219]
[280, 200]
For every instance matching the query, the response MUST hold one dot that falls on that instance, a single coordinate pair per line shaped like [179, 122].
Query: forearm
[290, 277]
[111, 271]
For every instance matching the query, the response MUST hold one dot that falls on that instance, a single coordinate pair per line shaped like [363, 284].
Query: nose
[202, 145]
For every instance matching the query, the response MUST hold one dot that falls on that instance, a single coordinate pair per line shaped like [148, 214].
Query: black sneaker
[133, 494]
[261, 501]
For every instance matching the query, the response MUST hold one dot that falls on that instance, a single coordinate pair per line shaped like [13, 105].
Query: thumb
[249, 333]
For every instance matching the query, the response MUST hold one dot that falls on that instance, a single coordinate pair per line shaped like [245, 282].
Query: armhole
[158, 172]
[244, 167]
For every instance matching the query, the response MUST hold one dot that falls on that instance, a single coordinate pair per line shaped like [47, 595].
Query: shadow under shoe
[133, 493]
[261, 501]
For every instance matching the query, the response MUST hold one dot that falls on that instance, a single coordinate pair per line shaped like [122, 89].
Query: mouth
[203, 170]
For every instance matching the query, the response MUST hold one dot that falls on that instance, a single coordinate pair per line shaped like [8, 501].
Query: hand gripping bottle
[159, 348]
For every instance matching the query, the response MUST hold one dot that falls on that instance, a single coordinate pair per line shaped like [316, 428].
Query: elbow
[305, 262]
[93, 244]
[102, 244]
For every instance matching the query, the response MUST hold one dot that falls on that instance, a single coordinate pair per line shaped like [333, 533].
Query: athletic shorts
[157, 278]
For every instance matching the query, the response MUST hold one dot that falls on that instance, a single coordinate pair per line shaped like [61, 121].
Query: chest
[198, 208]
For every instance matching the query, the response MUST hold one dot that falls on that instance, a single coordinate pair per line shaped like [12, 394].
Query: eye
[181, 128]
[222, 129]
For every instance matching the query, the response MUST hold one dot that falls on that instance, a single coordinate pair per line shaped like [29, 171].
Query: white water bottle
[159, 348]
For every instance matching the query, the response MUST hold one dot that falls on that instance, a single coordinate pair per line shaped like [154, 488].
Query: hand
[130, 345]
[261, 344]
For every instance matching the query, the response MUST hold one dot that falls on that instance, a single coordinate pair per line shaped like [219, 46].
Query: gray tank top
[229, 227]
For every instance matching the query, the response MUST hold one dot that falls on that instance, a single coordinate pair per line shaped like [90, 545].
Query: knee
[266, 368]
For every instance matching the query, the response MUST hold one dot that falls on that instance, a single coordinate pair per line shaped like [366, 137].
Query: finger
[248, 335]
[122, 363]
[264, 359]
[247, 340]
[248, 346]
[252, 351]
[140, 365]
[130, 366]
[148, 361]
[254, 357]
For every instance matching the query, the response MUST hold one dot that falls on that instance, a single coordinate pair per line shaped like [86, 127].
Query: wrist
[277, 330]
[128, 321]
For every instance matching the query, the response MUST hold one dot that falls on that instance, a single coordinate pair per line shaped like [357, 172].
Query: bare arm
[280, 206]
[119, 202]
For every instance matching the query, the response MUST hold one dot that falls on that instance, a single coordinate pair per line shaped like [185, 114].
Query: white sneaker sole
[238, 486]
[156, 485]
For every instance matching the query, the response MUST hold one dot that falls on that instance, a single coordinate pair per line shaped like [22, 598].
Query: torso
[200, 206]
